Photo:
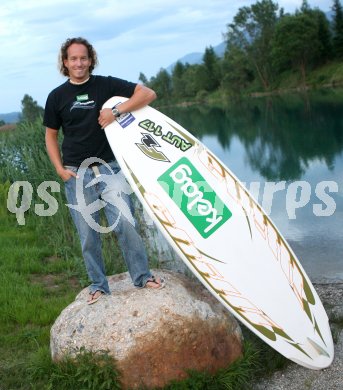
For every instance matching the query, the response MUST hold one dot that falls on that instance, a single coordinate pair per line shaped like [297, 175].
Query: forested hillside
[266, 50]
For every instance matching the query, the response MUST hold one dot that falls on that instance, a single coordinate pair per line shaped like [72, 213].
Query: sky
[129, 36]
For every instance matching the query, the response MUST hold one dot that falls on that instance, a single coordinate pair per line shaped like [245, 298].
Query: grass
[89, 371]
[28, 305]
[330, 74]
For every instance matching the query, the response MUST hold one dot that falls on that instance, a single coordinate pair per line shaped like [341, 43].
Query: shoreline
[296, 377]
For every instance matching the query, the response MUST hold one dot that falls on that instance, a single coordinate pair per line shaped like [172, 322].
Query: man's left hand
[106, 117]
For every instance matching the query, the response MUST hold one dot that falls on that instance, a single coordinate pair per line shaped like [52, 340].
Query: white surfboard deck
[222, 234]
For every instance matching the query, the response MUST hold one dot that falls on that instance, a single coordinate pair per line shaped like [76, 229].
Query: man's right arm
[52, 147]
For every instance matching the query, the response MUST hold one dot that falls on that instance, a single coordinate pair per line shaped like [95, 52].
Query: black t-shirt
[76, 108]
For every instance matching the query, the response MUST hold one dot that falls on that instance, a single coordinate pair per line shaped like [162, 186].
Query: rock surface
[154, 335]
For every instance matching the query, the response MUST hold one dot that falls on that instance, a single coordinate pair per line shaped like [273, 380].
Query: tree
[305, 6]
[252, 31]
[323, 30]
[30, 109]
[237, 71]
[2, 122]
[338, 29]
[161, 84]
[324, 36]
[296, 43]
[178, 79]
[212, 70]
[194, 78]
[143, 78]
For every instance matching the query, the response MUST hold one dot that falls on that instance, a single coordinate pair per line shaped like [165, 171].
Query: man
[75, 107]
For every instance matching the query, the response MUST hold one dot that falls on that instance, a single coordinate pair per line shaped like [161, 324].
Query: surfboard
[221, 233]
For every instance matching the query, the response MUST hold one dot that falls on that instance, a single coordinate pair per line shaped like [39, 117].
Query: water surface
[296, 144]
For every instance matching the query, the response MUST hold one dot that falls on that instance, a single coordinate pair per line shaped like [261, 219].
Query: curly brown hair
[64, 54]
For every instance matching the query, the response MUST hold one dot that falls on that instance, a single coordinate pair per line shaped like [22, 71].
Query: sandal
[94, 297]
[154, 283]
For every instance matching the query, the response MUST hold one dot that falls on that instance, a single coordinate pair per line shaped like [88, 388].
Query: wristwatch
[116, 112]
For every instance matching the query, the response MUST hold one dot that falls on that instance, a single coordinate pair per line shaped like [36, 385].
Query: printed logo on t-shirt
[83, 105]
[82, 98]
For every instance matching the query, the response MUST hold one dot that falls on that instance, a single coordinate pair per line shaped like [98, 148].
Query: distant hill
[12, 117]
[196, 58]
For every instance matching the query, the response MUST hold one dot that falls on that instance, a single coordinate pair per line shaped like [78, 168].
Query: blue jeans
[95, 188]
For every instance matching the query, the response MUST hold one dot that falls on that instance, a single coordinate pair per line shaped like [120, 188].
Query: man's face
[78, 62]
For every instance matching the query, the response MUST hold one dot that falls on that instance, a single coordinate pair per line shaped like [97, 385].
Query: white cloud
[130, 37]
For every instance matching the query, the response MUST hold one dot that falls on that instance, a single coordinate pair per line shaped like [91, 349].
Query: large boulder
[154, 335]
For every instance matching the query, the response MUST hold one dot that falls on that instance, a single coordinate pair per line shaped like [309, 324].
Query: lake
[289, 152]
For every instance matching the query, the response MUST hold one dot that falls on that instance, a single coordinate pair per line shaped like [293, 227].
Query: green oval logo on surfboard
[194, 197]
